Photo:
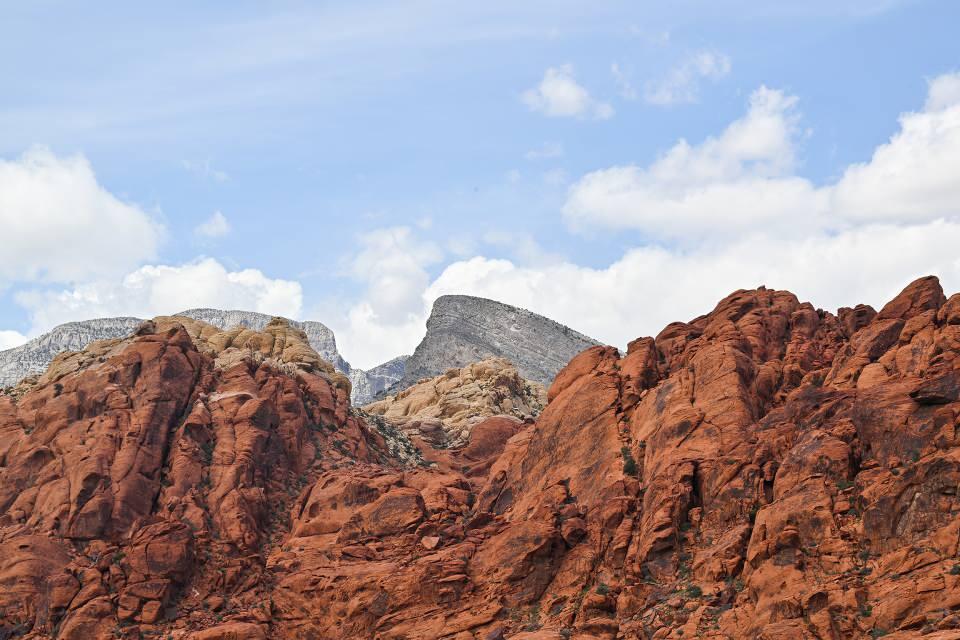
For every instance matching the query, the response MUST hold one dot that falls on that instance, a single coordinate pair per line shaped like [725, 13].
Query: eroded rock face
[765, 471]
[443, 410]
[145, 476]
[465, 329]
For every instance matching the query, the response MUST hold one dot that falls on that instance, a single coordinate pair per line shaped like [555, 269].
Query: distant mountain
[465, 329]
[461, 330]
[33, 357]
[367, 384]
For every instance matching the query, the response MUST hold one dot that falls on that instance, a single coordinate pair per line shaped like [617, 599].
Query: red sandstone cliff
[765, 471]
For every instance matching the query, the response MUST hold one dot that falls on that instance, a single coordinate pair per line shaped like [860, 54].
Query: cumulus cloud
[56, 213]
[652, 286]
[915, 175]
[745, 219]
[682, 84]
[744, 178]
[559, 95]
[154, 290]
[11, 339]
[216, 226]
[391, 266]
[737, 180]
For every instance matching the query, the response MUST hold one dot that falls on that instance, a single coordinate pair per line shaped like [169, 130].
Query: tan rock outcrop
[443, 410]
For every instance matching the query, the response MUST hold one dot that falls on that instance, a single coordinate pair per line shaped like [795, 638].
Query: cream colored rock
[443, 410]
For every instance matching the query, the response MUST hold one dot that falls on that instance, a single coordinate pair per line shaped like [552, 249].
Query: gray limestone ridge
[465, 329]
[34, 356]
[367, 384]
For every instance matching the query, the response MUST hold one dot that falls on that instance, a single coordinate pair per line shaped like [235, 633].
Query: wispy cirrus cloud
[682, 83]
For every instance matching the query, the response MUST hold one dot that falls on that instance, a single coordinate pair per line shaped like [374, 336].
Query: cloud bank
[155, 290]
[57, 212]
[731, 212]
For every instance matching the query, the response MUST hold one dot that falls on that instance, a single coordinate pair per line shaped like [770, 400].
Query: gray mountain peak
[464, 329]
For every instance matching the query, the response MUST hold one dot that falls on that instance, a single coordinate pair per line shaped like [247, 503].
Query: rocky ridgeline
[320, 336]
[465, 329]
[33, 357]
[766, 471]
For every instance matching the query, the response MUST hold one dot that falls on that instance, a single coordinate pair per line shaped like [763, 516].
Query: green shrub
[629, 463]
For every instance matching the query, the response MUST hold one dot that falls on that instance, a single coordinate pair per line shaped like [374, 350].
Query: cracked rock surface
[768, 470]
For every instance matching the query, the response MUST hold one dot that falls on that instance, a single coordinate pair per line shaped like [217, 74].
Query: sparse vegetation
[693, 591]
[629, 463]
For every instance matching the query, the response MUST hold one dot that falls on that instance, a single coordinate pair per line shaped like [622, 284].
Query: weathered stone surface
[464, 329]
[767, 470]
[34, 357]
[143, 475]
[368, 384]
[443, 410]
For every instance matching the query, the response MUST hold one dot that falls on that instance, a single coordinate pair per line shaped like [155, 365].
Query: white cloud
[682, 83]
[60, 225]
[11, 339]
[735, 181]
[559, 95]
[388, 317]
[161, 289]
[943, 92]
[523, 246]
[744, 179]
[216, 226]
[916, 175]
[547, 151]
[745, 220]
[650, 287]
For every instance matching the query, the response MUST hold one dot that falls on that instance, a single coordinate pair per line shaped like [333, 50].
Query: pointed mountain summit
[465, 329]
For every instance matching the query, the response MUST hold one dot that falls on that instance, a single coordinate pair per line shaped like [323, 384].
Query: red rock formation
[768, 470]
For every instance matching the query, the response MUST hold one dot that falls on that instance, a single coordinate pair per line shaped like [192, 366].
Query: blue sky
[349, 162]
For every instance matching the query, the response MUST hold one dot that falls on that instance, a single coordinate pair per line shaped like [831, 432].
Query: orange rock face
[767, 471]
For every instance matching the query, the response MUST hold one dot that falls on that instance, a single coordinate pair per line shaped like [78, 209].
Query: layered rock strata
[465, 329]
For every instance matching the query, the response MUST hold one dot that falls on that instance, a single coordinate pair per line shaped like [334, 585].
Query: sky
[615, 166]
